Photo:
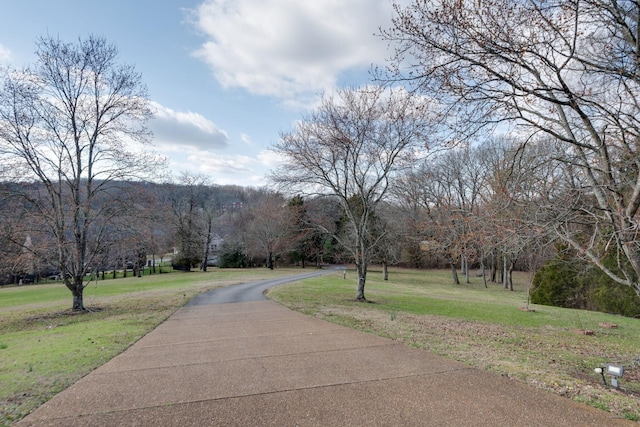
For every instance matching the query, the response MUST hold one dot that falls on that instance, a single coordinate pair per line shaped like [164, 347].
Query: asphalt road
[247, 292]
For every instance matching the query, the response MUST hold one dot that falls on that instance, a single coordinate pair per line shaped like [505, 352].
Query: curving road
[245, 292]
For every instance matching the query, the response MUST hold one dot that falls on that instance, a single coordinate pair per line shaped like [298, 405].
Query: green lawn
[44, 347]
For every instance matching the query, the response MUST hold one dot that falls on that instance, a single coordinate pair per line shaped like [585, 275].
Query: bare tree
[351, 147]
[565, 71]
[446, 189]
[66, 125]
[388, 222]
[271, 228]
[192, 226]
[155, 222]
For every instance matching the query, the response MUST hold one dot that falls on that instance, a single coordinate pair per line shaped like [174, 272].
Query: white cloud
[173, 130]
[5, 54]
[223, 169]
[270, 159]
[246, 139]
[193, 143]
[221, 164]
[289, 48]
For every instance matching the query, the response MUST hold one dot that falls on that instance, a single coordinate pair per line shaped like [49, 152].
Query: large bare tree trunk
[270, 261]
[511, 277]
[466, 270]
[494, 266]
[505, 276]
[362, 279]
[77, 290]
[484, 276]
[454, 272]
[483, 270]
[207, 244]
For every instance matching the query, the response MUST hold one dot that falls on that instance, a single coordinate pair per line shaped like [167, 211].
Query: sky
[226, 77]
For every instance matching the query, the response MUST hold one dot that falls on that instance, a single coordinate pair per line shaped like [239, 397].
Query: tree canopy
[562, 72]
[352, 147]
[68, 124]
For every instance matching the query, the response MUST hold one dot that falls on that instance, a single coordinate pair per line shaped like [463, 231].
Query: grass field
[44, 347]
[546, 347]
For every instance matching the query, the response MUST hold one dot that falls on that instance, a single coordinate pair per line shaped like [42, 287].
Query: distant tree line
[456, 209]
[501, 135]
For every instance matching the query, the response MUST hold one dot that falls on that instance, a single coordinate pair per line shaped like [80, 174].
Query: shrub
[573, 283]
[232, 255]
[184, 263]
[559, 283]
[610, 297]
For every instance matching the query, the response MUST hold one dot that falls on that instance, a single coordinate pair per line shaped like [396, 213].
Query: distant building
[216, 244]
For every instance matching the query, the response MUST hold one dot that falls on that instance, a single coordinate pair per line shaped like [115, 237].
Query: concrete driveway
[257, 363]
